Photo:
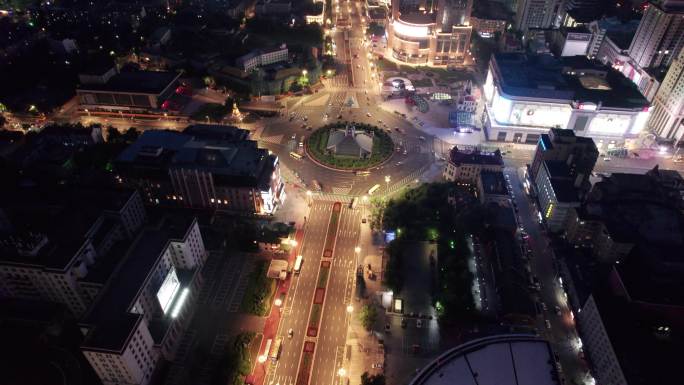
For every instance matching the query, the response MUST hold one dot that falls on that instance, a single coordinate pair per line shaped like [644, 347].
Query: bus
[267, 348]
[275, 350]
[298, 264]
[362, 173]
[295, 155]
[373, 189]
[353, 203]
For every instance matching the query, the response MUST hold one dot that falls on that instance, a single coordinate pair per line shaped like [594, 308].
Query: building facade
[48, 259]
[140, 91]
[660, 35]
[264, 57]
[527, 95]
[435, 38]
[173, 168]
[538, 14]
[140, 316]
[465, 164]
[668, 104]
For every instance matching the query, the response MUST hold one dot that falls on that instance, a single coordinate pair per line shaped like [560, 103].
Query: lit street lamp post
[387, 181]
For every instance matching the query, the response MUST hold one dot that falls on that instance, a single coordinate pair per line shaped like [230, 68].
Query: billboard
[167, 291]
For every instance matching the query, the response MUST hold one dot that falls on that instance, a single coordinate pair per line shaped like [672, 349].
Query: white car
[368, 114]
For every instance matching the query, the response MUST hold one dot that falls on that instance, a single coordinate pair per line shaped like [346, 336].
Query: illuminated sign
[168, 290]
[410, 30]
[640, 121]
[179, 304]
[587, 106]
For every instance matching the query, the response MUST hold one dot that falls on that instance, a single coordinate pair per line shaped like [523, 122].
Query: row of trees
[424, 213]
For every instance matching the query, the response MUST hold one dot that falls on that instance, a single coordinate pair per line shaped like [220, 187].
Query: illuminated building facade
[195, 169]
[432, 36]
[668, 105]
[528, 95]
[141, 314]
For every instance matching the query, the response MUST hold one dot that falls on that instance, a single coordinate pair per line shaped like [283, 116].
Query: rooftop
[496, 360]
[475, 156]
[646, 354]
[572, 78]
[110, 318]
[65, 217]
[493, 182]
[217, 132]
[561, 181]
[140, 82]
[418, 18]
[232, 163]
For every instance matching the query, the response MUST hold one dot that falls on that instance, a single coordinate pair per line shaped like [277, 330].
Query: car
[363, 220]
[543, 305]
[290, 333]
[368, 114]
[419, 323]
[548, 324]
[293, 137]
[606, 159]
[387, 327]
[421, 137]
[403, 323]
[558, 311]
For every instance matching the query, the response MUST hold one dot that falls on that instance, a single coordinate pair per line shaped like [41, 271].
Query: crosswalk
[280, 380]
[327, 197]
[274, 139]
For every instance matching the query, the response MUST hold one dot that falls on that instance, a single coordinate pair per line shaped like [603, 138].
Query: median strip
[332, 230]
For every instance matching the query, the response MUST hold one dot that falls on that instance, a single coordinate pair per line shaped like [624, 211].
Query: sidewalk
[271, 323]
[363, 349]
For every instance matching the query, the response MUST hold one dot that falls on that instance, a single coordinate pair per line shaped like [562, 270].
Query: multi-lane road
[331, 337]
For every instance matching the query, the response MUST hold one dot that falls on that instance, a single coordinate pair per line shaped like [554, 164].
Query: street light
[357, 249]
[278, 302]
[341, 372]
[350, 308]
[261, 358]
[304, 72]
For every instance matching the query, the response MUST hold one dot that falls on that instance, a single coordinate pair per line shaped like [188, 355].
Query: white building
[596, 343]
[668, 105]
[538, 14]
[465, 164]
[660, 35]
[528, 95]
[49, 254]
[139, 317]
[262, 57]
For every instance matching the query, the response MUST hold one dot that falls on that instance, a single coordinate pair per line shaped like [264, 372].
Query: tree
[374, 379]
[3, 120]
[368, 316]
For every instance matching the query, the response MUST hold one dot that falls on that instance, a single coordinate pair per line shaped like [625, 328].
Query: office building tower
[660, 35]
[538, 14]
[668, 105]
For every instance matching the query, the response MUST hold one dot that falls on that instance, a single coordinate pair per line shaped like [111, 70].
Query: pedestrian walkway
[270, 329]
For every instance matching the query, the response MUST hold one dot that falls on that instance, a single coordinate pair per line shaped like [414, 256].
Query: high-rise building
[577, 152]
[660, 35]
[434, 33]
[668, 106]
[51, 248]
[206, 167]
[538, 14]
[560, 170]
[140, 315]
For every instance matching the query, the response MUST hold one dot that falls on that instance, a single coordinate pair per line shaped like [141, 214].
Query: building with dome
[432, 33]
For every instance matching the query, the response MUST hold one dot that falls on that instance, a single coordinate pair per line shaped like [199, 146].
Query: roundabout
[349, 146]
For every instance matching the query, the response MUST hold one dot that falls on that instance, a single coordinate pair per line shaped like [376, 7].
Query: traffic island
[306, 363]
[332, 230]
[349, 146]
